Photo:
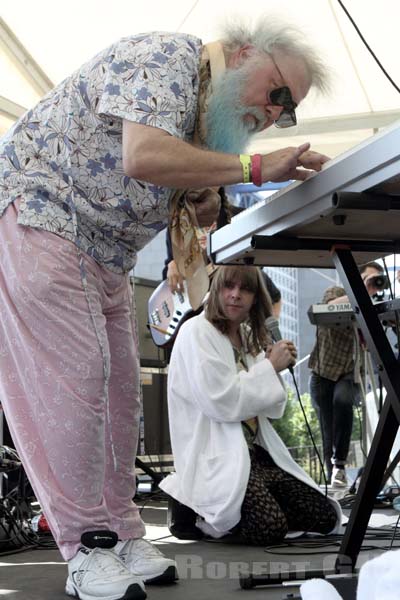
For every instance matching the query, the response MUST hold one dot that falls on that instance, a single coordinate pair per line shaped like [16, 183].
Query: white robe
[207, 401]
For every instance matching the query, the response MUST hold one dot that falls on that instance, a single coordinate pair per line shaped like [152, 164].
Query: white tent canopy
[41, 42]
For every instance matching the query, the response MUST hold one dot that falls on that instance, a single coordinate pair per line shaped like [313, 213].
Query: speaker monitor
[155, 414]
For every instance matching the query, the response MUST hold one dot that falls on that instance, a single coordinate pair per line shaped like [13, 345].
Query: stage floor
[207, 570]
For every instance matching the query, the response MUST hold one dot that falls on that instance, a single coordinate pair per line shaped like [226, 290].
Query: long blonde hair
[256, 334]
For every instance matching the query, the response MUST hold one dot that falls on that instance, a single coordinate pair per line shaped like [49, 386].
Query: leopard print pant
[276, 502]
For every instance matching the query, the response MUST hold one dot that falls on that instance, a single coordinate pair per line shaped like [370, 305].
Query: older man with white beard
[85, 181]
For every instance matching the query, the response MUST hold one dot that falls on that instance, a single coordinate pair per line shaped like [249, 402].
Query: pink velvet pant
[69, 382]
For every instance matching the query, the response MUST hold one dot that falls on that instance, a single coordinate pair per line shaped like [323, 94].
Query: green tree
[292, 427]
[293, 430]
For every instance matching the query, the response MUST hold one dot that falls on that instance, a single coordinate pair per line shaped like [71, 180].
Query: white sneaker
[339, 477]
[100, 574]
[147, 562]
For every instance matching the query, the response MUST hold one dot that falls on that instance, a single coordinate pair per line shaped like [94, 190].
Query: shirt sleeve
[153, 80]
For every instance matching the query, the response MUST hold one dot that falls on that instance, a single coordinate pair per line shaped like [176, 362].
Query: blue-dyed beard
[226, 129]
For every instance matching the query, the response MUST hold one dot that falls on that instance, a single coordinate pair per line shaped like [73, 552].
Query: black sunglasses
[283, 97]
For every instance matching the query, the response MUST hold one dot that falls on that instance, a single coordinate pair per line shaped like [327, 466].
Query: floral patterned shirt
[63, 158]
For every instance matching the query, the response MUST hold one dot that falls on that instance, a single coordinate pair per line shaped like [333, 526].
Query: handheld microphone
[272, 324]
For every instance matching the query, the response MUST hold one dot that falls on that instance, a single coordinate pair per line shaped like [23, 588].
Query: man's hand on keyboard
[312, 160]
[292, 163]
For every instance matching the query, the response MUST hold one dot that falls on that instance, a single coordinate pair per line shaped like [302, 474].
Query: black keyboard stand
[368, 321]
[388, 424]
[156, 477]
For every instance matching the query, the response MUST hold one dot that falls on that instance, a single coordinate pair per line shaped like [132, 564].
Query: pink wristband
[256, 175]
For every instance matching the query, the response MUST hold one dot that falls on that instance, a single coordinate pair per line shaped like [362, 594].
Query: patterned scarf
[186, 249]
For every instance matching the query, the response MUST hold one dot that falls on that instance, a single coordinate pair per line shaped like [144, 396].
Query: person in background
[86, 177]
[334, 380]
[201, 199]
[275, 294]
[231, 467]
[171, 272]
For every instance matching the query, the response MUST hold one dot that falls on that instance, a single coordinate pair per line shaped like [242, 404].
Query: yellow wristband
[245, 160]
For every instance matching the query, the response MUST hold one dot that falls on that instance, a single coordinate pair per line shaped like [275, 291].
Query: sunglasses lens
[282, 97]
[287, 118]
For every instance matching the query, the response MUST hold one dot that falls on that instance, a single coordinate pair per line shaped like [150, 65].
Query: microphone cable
[272, 325]
[307, 424]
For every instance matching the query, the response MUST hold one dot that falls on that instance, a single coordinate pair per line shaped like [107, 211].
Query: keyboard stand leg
[389, 420]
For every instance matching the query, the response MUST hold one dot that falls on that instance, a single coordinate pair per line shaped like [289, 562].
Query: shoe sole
[170, 575]
[133, 592]
[187, 535]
